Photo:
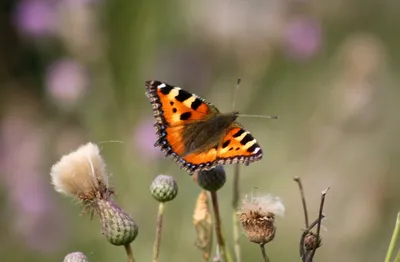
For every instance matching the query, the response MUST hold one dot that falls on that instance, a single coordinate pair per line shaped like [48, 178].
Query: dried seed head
[311, 241]
[118, 227]
[164, 188]
[213, 179]
[257, 216]
[81, 174]
[75, 257]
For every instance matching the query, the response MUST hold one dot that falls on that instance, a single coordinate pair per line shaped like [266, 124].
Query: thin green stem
[235, 202]
[264, 254]
[218, 230]
[156, 248]
[393, 241]
[129, 253]
[397, 259]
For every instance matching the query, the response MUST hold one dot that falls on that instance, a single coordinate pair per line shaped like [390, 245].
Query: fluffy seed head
[118, 227]
[75, 257]
[257, 216]
[213, 179]
[164, 188]
[82, 174]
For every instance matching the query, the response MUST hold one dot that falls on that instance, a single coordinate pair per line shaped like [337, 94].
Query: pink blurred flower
[303, 38]
[35, 18]
[66, 82]
[144, 139]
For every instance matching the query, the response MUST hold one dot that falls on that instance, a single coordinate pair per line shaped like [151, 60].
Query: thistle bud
[257, 216]
[164, 188]
[118, 227]
[75, 257]
[213, 179]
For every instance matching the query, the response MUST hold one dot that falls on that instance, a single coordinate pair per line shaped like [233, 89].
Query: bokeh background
[73, 71]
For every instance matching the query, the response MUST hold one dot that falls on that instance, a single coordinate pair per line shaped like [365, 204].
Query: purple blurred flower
[66, 82]
[36, 18]
[303, 38]
[144, 139]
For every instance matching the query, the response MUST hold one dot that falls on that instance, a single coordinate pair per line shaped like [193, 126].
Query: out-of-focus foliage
[73, 71]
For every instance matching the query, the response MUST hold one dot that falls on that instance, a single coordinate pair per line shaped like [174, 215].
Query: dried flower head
[75, 257]
[311, 241]
[82, 174]
[257, 216]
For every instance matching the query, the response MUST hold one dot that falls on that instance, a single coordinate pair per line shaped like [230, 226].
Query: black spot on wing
[174, 110]
[196, 103]
[252, 148]
[165, 90]
[226, 143]
[186, 116]
[183, 95]
[171, 103]
[238, 133]
[247, 138]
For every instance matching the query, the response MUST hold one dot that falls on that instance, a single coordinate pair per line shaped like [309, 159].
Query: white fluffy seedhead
[263, 204]
[81, 173]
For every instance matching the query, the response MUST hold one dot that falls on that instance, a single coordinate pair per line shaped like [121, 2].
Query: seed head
[164, 188]
[118, 227]
[75, 257]
[213, 179]
[257, 216]
[81, 174]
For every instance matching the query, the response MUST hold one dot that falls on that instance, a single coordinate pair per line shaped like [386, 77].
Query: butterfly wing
[173, 106]
[237, 146]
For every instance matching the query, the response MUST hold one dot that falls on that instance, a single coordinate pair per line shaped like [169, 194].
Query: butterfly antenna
[259, 116]
[236, 91]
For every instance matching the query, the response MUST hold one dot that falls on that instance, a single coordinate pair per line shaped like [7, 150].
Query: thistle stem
[392, 244]
[303, 199]
[235, 202]
[156, 248]
[129, 253]
[218, 230]
[264, 254]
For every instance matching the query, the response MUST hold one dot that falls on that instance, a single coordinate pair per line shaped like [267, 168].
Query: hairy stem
[129, 253]
[156, 248]
[218, 230]
[392, 244]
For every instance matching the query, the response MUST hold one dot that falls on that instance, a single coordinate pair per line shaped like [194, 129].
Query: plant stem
[320, 217]
[157, 241]
[129, 253]
[218, 231]
[264, 254]
[235, 202]
[392, 244]
[303, 199]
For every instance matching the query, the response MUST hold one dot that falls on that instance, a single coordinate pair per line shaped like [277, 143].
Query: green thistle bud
[118, 227]
[164, 188]
[213, 179]
[75, 257]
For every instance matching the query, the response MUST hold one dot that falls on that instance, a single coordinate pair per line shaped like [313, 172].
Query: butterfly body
[195, 133]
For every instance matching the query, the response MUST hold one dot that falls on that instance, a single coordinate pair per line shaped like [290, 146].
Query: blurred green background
[73, 71]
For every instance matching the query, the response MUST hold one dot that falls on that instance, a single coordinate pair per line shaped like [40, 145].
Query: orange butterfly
[195, 133]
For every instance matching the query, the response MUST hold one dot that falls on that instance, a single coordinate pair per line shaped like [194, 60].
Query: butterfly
[195, 133]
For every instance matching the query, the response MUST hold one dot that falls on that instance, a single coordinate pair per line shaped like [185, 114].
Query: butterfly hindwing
[173, 106]
[238, 146]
